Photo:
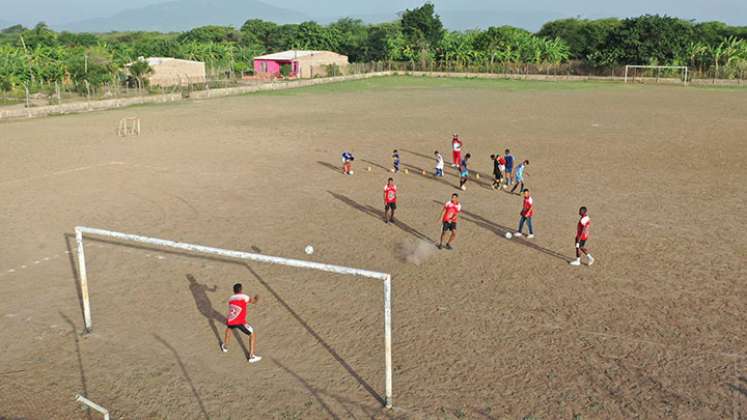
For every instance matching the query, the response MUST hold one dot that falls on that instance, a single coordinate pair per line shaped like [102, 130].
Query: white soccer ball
[309, 250]
[351, 172]
[509, 235]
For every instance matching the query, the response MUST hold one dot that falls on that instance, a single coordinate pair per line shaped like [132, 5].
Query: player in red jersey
[582, 235]
[236, 320]
[449, 220]
[456, 151]
[527, 212]
[390, 200]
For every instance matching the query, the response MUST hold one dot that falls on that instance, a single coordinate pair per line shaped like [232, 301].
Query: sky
[733, 12]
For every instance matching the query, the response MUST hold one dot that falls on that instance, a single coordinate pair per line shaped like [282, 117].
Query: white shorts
[502, 168]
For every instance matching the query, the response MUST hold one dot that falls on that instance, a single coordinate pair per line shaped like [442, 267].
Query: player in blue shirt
[464, 172]
[509, 168]
[395, 160]
[520, 174]
[347, 163]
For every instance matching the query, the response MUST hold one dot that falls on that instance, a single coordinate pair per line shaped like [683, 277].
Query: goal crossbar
[81, 231]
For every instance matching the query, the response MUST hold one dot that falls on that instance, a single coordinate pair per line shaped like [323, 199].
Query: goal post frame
[684, 69]
[81, 231]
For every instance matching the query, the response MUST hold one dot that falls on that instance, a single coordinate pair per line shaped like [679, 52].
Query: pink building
[305, 64]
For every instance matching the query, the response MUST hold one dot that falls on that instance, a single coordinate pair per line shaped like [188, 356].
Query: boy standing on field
[509, 168]
[395, 160]
[582, 235]
[464, 172]
[497, 171]
[520, 174]
[390, 200]
[347, 163]
[236, 320]
[449, 216]
[527, 211]
[456, 150]
[439, 164]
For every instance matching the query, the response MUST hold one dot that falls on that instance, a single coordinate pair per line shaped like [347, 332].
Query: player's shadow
[379, 215]
[70, 244]
[330, 166]
[501, 230]
[317, 337]
[376, 164]
[484, 175]
[202, 301]
[419, 171]
[83, 381]
[185, 373]
[317, 393]
[740, 388]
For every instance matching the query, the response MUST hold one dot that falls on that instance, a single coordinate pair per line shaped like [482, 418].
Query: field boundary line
[63, 172]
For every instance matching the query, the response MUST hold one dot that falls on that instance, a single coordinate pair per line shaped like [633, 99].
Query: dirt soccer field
[657, 328]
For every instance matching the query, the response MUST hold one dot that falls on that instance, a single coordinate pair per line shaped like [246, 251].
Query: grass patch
[399, 83]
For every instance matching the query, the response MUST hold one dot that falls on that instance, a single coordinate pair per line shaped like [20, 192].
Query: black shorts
[245, 328]
[392, 206]
[581, 243]
[449, 226]
[498, 175]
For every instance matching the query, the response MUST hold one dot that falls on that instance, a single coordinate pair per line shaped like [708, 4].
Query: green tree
[650, 39]
[422, 27]
[211, 33]
[352, 38]
[258, 34]
[139, 70]
[386, 42]
[40, 35]
[583, 36]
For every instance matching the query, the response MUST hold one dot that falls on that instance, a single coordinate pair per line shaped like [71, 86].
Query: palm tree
[695, 53]
[139, 69]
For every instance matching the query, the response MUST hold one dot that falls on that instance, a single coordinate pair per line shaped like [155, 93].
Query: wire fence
[59, 93]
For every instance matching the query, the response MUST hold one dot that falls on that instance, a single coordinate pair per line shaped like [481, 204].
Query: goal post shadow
[228, 256]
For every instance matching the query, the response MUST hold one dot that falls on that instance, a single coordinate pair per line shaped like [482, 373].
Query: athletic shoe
[448, 246]
[223, 348]
[439, 246]
[518, 234]
[576, 262]
[530, 236]
[254, 359]
[591, 259]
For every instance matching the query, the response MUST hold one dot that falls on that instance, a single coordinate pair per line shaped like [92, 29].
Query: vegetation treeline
[39, 56]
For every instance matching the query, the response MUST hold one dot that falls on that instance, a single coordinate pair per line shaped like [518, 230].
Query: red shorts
[456, 156]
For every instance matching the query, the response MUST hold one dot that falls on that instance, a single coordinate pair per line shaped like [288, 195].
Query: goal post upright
[386, 278]
[388, 338]
[83, 280]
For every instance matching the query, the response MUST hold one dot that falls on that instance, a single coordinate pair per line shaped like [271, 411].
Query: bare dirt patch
[493, 329]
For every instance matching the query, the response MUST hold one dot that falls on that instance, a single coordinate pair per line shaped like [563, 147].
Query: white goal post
[129, 126]
[682, 69]
[80, 231]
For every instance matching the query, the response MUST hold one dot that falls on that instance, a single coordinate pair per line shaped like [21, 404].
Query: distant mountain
[459, 20]
[469, 19]
[4, 24]
[181, 15]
